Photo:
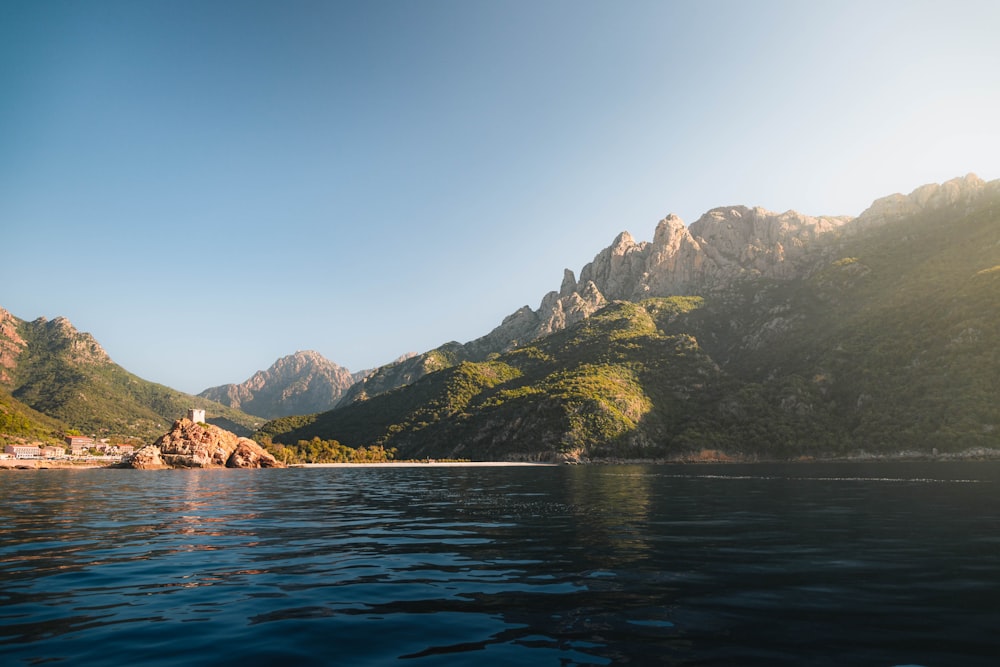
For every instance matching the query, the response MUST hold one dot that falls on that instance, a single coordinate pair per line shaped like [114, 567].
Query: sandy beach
[422, 464]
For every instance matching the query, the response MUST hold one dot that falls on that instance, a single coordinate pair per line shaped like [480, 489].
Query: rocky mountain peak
[568, 283]
[300, 383]
[300, 361]
[623, 244]
[668, 229]
[62, 337]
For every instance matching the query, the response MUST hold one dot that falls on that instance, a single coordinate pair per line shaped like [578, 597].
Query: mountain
[65, 374]
[724, 246]
[299, 383]
[748, 335]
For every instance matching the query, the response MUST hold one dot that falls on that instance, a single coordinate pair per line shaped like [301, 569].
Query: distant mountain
[748, 335]
[300, 383]
[60, 372]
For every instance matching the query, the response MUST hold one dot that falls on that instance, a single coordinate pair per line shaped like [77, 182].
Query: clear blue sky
[206, 186]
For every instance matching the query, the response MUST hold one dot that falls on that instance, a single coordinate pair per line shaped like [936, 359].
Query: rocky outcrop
[79, 347]
[145, 458]
[248, 454]
[191, 444]
[300, 383]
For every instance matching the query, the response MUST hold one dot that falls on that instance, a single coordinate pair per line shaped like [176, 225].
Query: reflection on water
[751, 565]
[611, 510]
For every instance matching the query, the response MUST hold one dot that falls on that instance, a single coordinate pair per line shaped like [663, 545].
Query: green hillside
[18, 422]
[65, 374]
[889, 345]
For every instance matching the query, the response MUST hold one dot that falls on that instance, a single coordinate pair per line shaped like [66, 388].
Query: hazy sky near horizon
[206, 186]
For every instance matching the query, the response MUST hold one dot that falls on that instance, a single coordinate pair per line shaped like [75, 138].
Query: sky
[206, 186]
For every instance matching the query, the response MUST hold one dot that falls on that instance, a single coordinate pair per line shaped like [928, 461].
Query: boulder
[146, 458]
[248, 454]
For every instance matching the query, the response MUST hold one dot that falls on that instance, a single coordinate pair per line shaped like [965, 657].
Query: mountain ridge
[725, 245]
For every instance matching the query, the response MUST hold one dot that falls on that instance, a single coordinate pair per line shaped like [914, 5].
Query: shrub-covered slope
[18, 422]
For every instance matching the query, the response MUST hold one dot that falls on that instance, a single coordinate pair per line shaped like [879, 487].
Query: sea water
[799, 564]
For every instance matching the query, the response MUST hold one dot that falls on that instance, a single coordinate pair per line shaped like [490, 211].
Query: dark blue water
[874, 564]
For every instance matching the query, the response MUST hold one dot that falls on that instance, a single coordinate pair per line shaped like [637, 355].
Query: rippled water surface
[832, 564]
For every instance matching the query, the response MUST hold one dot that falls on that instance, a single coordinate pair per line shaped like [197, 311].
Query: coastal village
[79, 448]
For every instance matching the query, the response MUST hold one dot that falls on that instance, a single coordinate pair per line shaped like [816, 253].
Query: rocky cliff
[190, 444]
[299, 383]
[11, 346]
[724, 245]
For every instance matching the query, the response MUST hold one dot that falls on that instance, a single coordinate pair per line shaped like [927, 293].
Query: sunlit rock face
[725, 244]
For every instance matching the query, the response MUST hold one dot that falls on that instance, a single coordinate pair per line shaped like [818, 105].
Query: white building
[196, 415]
[24, 451]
